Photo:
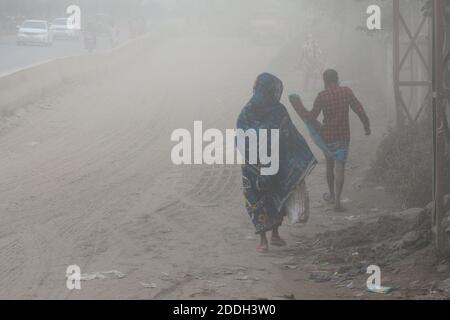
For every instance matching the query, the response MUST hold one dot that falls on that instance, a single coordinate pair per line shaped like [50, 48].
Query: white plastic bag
[297, 205]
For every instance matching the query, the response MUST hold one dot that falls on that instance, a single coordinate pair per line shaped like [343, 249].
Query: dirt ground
[87, 180]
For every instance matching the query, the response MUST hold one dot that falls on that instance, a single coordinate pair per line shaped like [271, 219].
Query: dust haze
[85, 152]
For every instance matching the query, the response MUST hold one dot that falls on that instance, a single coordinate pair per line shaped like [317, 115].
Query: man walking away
[334, 102]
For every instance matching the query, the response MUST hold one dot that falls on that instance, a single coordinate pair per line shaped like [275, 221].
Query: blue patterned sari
[265, 195]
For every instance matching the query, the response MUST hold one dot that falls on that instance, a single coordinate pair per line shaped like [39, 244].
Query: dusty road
[14, 57]
[87, 180]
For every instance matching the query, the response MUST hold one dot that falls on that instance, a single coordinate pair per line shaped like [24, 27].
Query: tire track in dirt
[204, 185]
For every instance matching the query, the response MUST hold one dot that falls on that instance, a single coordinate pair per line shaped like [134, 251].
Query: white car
[34, 31]
[61, 30]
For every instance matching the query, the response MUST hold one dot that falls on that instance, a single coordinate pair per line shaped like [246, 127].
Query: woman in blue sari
[266, 195]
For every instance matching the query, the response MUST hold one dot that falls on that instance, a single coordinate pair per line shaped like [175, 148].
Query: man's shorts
[339, 150]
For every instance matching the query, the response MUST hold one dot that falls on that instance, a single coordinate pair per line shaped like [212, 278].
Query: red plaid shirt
[334, 102]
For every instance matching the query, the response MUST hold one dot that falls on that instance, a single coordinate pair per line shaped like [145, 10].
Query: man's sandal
[327, 198]
[340, 209]
[278, 242]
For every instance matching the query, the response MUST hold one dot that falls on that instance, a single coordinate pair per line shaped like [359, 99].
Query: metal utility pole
[441, 96]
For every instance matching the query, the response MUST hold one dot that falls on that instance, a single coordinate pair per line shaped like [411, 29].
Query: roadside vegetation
[404, 164]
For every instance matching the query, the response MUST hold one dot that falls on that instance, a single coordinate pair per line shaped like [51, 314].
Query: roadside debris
[215, 284]
[409, 239]
[442, 268]
[149, 285]
[357, 184]
[320, 276]
[102, 275]
[290, 267]
[343, 255]
[92, 276]
[380, 290]
[290, 296]
[243, 277]
[165, 276]
[444, 286]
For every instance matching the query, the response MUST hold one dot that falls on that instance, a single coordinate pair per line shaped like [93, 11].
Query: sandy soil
[87, 180]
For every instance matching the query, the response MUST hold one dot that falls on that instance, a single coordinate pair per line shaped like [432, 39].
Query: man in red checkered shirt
[335, 103]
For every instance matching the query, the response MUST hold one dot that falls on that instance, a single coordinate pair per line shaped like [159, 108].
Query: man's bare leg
[276, 239]
[340, 177]
[330, 178]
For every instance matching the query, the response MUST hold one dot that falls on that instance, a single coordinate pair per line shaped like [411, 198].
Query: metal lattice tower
[422, 41]
[412, 60]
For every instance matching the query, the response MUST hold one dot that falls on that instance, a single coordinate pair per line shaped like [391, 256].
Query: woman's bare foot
[276, 240]
[262, 248]
[263, 244]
